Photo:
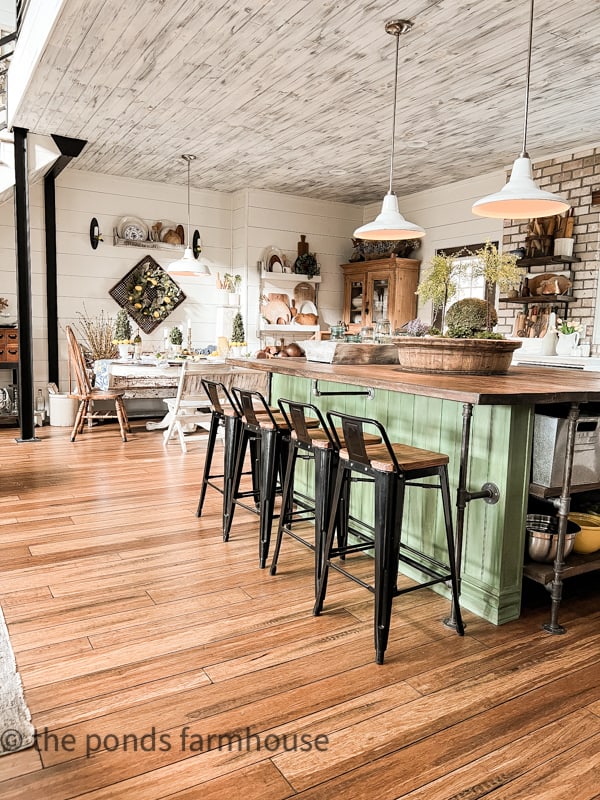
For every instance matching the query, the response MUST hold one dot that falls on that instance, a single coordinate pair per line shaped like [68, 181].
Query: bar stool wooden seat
[319, 445]
[392, 467]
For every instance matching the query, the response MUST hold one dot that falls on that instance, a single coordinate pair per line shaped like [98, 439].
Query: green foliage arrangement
[440, 281]
[238, 335]
[122, 328]
[232, 282]
[469, 317]
[176, 335]
[152, 292]
[306, 264]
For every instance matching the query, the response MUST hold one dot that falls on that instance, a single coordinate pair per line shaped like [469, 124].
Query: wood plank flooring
[159, 662]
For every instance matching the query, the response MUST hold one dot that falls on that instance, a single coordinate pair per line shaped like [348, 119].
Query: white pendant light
[390, 224]
[188, 265]
[521, 198]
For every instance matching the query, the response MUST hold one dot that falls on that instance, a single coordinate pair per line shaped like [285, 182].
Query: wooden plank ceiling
[296, 95]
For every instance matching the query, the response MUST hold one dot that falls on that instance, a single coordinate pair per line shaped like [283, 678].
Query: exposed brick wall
[575, 177]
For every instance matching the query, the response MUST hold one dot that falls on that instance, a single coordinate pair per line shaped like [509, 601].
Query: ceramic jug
[567, 342]
[550, 337]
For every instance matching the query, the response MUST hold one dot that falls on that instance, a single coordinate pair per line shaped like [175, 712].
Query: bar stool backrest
[218, 394]
[354, 441]
[249, 402]
[294, 413]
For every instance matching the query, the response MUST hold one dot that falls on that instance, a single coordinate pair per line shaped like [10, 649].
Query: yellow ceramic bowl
[588, 539]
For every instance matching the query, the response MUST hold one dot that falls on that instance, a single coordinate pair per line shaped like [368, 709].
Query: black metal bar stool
[317, 444]
[392, 467]
[226, 415]
[263, 429]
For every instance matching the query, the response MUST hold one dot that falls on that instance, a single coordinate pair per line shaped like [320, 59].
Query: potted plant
[465, 343]
[122, 333]
[176, 339]
[307, 264]
[238, 336]
[232, 283]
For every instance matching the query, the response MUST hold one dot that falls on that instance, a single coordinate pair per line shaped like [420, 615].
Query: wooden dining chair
[87, 395]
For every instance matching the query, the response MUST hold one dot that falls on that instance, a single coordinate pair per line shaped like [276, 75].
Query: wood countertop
[522, 385]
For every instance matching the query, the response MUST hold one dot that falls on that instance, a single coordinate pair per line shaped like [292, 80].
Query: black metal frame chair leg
[389, 504]
[215, 424]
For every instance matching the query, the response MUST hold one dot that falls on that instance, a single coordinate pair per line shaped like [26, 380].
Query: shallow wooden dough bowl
[458, 356]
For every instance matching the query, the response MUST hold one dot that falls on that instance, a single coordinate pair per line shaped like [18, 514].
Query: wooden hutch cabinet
[380, 289]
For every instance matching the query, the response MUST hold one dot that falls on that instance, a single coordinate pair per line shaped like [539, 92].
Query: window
[468, 284]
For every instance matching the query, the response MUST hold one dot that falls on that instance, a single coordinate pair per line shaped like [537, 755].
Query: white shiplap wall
[263, 219]
[235, 230]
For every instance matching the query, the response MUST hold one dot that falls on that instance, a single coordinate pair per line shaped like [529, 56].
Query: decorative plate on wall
[148, 294]
[132, 228]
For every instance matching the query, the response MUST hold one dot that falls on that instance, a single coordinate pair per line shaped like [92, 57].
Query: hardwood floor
[142, 638]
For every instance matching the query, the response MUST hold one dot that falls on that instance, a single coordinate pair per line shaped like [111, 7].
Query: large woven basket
[466, 356]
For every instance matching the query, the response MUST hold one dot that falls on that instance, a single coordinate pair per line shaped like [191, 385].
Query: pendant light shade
[390, 224]
[521, 198]
[188, 265]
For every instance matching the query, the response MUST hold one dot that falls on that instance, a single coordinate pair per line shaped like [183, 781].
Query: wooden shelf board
[287, 278]
[574, 565]
[532, 300]
[267, 328]
[541, 260]
[544, 492]
[146, 244]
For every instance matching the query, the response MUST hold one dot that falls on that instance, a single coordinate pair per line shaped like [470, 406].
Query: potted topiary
[238, 337]
[122, 333]
[465, 343]
[176, 339]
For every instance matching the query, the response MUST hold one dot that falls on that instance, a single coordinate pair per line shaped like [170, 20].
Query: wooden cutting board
[304, 291]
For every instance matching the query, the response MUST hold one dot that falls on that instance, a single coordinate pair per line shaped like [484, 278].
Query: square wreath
[148, 294]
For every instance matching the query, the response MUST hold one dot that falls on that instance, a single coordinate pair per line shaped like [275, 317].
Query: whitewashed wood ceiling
[296, 95]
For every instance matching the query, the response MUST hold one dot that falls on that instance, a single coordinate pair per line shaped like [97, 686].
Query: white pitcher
[567, 342]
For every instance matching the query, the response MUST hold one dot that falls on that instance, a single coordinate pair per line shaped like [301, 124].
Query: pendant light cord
[524, 153]
[189, 163]
[397, 35]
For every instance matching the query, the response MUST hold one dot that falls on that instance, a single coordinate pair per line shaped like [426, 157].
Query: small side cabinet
[9, 346]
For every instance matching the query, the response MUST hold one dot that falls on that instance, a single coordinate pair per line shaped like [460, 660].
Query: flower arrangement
[97, 334]
[416, 327]
[122, 328]
[151, 292]
[562, 326]
[3, 304]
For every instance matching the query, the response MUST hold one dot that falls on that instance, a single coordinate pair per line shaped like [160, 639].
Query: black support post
[69, 149]
[51, 277]
[26, 417]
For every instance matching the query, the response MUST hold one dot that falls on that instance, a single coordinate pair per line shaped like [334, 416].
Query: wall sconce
[95, 235]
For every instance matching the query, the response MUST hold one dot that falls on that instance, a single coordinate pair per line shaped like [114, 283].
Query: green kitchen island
[485, 425]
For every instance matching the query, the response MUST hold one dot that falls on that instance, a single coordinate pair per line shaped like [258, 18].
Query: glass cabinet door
[357, 302]
[379, 291]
